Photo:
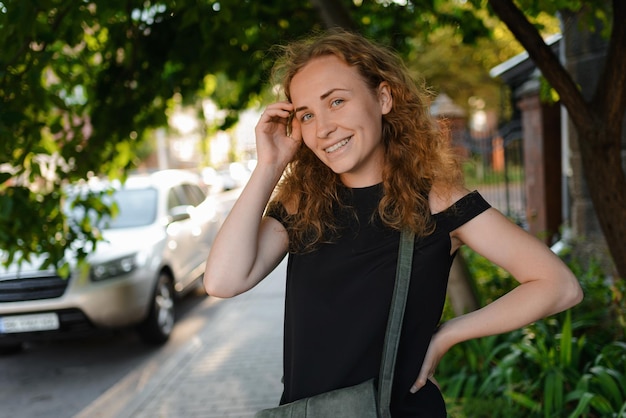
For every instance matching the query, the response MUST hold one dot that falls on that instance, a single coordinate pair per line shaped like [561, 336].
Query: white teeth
[337, 145]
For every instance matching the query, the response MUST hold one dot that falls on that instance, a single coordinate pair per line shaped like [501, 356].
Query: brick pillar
[542, 162]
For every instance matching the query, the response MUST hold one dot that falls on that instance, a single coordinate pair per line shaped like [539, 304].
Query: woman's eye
[305, 117]
[336, 102]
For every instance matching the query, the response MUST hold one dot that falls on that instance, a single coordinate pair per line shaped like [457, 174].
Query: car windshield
[136, 207]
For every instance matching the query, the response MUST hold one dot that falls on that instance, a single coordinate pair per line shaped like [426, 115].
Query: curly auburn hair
[417, 150]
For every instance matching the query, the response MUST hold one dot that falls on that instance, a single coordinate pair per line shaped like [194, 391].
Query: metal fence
[494, 166]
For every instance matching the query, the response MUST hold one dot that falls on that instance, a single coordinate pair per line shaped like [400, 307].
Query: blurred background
[531, 93]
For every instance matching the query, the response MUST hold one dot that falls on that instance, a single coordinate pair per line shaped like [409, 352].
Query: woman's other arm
[547, 286]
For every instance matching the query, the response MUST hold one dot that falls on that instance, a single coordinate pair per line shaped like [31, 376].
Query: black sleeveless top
[338, 299]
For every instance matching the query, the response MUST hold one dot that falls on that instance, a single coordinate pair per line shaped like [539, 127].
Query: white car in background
[153, 252]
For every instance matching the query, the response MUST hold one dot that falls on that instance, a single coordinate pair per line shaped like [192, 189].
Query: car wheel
[157, 327]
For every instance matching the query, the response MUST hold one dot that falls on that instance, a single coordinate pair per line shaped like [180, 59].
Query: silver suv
[153, 251]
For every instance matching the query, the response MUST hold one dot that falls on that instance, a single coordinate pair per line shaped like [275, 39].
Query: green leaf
[524, 400]
[566, 340]
[602, 405]
[607, 380]
[583, 405]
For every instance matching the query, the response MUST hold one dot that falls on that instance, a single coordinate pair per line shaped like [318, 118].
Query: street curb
[126, 397]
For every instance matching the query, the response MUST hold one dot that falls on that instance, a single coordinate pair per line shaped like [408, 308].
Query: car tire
[157, 327]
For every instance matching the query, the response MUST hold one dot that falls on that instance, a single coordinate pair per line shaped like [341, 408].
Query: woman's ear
[385, 98]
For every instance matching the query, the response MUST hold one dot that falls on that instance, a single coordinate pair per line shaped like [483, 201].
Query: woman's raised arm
[249, 246]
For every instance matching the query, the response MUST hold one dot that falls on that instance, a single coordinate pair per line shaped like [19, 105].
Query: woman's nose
[324, 127]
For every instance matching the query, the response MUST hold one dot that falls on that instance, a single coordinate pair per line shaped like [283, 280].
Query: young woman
[350, 158]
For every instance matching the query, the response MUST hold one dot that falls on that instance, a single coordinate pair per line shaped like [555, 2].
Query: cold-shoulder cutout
[441, 199]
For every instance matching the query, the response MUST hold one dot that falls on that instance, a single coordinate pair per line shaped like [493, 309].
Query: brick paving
[231, 368]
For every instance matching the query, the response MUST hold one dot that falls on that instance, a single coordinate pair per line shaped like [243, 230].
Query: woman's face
[341, 119]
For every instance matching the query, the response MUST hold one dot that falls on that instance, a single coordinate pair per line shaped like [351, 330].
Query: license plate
[28, 323]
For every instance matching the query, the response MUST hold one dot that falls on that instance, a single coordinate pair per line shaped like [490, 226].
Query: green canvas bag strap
[394, 323]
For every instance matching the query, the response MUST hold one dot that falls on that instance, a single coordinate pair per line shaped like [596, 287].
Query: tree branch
[544, 59]
[334, 14]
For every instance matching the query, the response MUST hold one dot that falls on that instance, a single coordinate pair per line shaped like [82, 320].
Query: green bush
[572, 364]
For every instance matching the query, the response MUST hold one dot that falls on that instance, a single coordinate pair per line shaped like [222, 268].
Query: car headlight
[114, 268]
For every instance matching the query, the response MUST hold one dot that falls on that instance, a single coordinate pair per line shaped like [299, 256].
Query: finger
[278, 109]
[276, 118]
[423, 377]
[419, 383]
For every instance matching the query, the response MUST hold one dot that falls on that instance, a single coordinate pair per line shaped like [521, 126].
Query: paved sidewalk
[231, 368]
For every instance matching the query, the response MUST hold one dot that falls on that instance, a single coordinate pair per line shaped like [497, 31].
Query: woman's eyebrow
[322, 97]
[331, 91]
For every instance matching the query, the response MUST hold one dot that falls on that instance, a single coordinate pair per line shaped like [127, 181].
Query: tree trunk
[606, 182]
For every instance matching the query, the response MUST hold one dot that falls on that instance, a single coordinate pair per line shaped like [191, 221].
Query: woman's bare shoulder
[441, 197]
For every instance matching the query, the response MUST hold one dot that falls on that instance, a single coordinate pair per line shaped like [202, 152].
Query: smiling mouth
[338, 145]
